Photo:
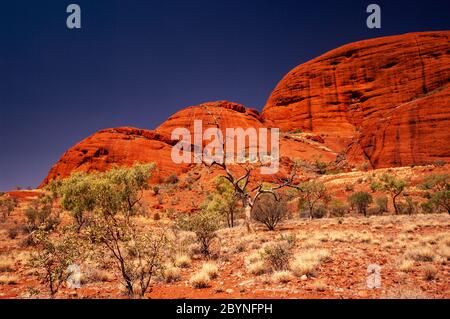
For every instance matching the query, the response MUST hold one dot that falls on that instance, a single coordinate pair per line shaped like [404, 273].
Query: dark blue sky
[137, 62]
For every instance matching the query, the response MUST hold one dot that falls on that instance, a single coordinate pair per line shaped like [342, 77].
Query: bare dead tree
[249, 196]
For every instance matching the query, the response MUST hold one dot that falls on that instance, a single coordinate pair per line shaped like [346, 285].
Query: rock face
[226, 114]
[124, 146]
[117, 146]
[385, 100]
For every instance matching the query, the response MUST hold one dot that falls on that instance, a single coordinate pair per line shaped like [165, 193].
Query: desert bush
[430, 272]
[321, 167]
[283, 276]
[53, 256]
[171, 179]
[171, 274]
[439, 184]
[138, 254]
[392, 185]
[360, 201]
[200, 280]
[41, 214]
[408, 207]
[210, 269]
[290, 238]
[382, 202]
[7, 206]
[427, 208]
[13, 232]
[6, 264]
[319, 286]
[156, 216]
[421, 253]
[307, 262]
[77, 196]
[8, 279]
[269, 211]
[337, 208]
[257, 268]
[94, 275]
[406, 265]
[277, 256]
[349, 188]
[225, 201]
[312, 194]
[320, 211]
[113, 203]
[183, 261]
[204, 224]
[156, 189]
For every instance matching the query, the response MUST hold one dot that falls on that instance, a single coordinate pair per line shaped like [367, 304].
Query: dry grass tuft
[421, 253]
[183, 261]
[171, 274]
[8, 279]
[430, 272]
[406, 265]
[6, 264]
[283, 276]
[200, 280]
[319, 286]
[257, 268]
[308, 261]
[211, 270]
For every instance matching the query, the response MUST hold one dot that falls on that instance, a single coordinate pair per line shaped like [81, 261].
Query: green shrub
[7, 206]
[337, 208]
[225, 201]
[360, 201]
[392, 185]
[204, 224]
[269, 211]
[277, 256]
[172, 179]
[41, 214]
[311, 194]
[382, 202]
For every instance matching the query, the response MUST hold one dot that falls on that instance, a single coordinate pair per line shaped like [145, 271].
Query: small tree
[269, 211]
[204, 224]
[392, 185]
[41, 214]
[312, 193]
[225, 201]
[382, 202]
[440, 185]
[337, 208]
[7, 206]
[77, 196]
[138, 253]
[114, 200]
[53, 256]
[361, 201]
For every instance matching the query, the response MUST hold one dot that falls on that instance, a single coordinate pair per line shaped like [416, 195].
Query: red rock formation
[124, 146]
[383, 100]
[386, 100]
[121, 146]
[226, 114]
